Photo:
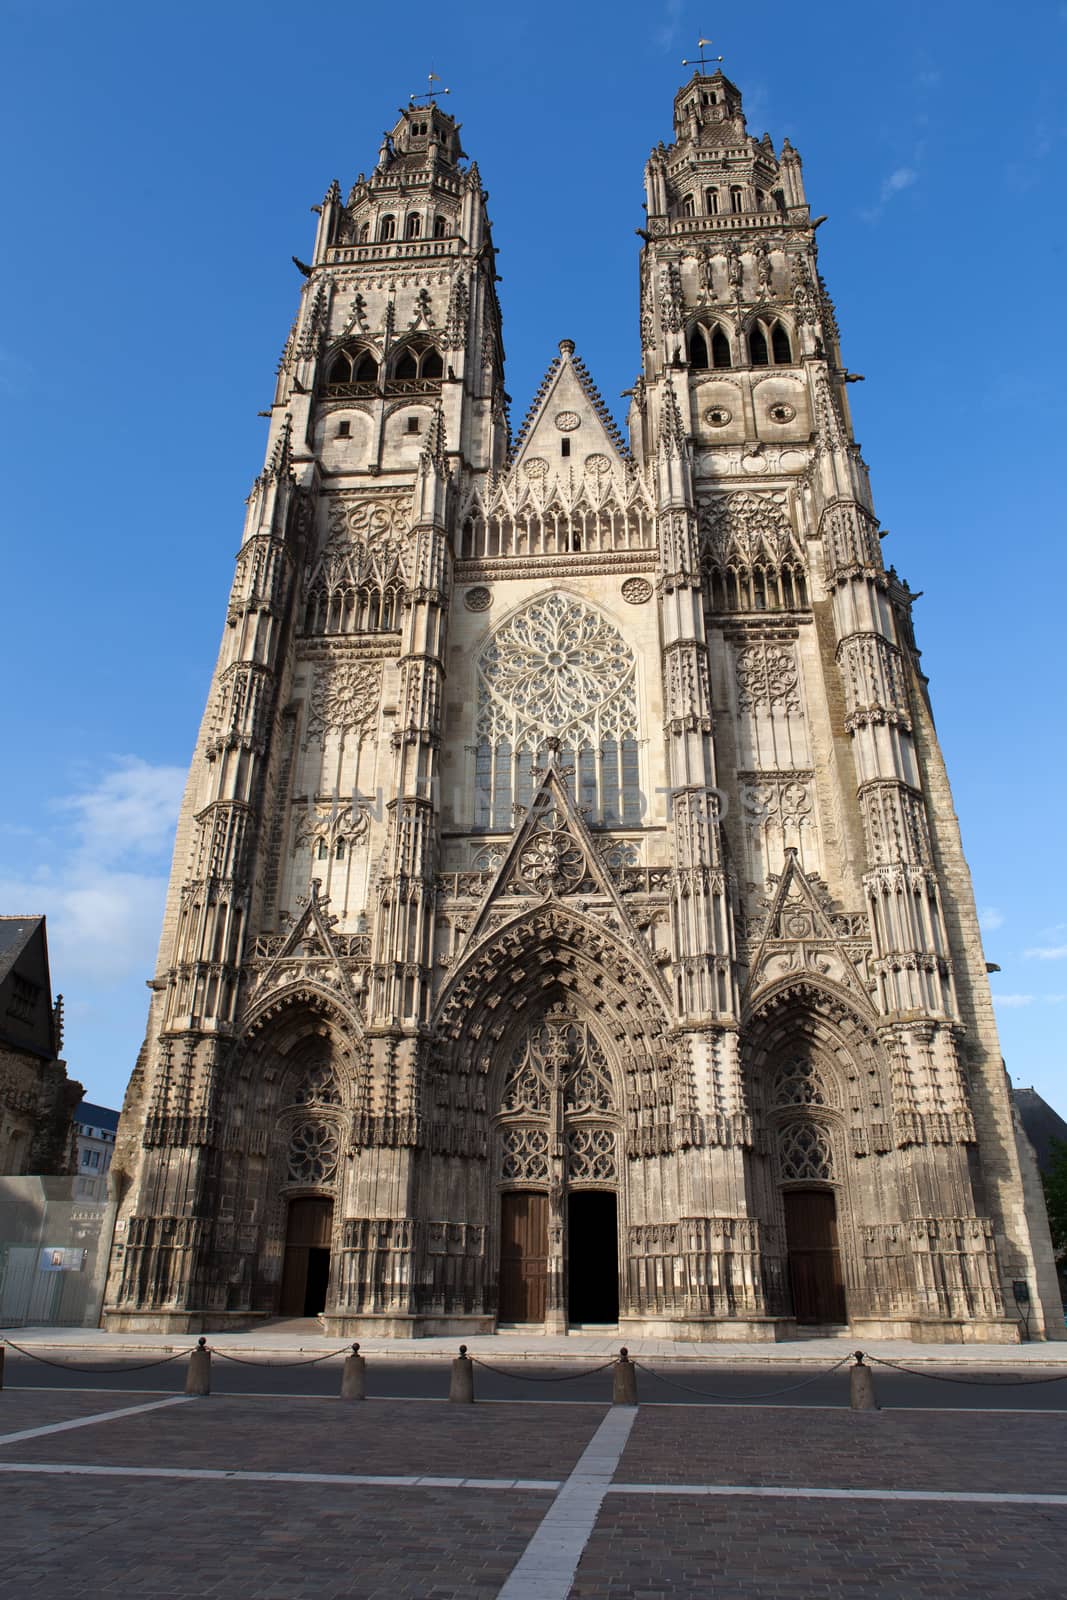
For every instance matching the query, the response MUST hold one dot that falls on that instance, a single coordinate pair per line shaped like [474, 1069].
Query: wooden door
[307, 1241]
[814, 1259]
[523, 1256]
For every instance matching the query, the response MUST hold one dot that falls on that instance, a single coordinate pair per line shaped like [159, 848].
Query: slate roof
[97, 1116]
[15, 935]
[1040, 1122]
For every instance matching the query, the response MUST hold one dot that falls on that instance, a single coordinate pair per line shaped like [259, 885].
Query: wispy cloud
[99, 873]
[895, 183]
[1013, 999]
[1046, 952]
[990, 919]
[666, 34]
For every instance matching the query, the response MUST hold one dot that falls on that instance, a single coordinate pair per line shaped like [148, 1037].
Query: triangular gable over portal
[553, 855]
[800, 934]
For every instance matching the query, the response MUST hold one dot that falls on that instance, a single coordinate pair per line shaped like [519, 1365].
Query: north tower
[568, 921]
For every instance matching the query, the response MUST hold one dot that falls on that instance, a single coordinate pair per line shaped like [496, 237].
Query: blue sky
[161, 165]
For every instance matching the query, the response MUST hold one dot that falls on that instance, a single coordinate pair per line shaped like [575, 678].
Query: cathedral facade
[569, 923]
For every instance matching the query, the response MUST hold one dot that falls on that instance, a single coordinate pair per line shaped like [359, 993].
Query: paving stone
[421, 1438]
[849, 1449]
[646, 1547]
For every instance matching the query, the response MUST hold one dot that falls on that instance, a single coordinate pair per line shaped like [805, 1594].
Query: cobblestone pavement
[647, 1547]
[947, 1450]
[115, 1506]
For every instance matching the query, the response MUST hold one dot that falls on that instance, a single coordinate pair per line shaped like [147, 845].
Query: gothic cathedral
[568, 923]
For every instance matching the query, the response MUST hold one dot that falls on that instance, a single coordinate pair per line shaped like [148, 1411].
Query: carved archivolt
[557, 667]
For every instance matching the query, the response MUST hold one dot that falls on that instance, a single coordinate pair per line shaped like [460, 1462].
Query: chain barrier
[70, 1366]
[764, 1394]
[975, 1383]
[541, 1377]
[306, 1361]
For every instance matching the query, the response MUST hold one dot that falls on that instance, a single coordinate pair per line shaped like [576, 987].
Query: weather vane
[429, 93]
[686, 62]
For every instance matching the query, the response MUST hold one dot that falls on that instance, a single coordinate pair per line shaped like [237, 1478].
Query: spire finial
[687, 62]
[429, 93]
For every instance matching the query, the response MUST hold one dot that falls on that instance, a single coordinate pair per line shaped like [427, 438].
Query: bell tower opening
[592, 1257]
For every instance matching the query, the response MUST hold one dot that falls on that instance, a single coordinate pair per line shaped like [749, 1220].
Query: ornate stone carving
[592, 1154]
[805, 1152]
[767, 677]
[478, 599]
[637, 591]
[345, 699]
[567, 421]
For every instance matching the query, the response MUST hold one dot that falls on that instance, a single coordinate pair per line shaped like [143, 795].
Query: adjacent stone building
[569, 923]
[37, 1099]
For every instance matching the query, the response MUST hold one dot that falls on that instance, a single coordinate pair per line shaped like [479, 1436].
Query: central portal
[592, 1257]
[306, 1274]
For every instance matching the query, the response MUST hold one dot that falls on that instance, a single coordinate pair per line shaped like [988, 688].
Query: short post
[354, 1376]
[624, 1380]
[461, 1386]
[3, 1356]
[861, 1395]
[198, 1377]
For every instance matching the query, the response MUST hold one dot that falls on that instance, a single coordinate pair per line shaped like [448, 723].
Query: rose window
[557, 669]
[313, 1151]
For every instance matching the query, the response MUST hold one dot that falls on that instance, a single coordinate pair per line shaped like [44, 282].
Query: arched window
[736, 199]
[780, 346]
[413, 226]
[720, 349]
[688, 207]
[387, 228]
[698, 348]
[438, 227]
[711, 202]
[757, 347]
[418, 362]
[557, 667]
[364, 233]
[354, 364]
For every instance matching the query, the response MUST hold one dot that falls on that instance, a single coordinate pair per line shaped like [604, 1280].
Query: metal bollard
[461, 1385]
[861, 1395]
[198, 1377]
[3, 1357]
[624, 1380]
[354, 1376]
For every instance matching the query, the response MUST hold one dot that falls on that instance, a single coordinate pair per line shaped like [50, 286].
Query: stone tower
[569, 922]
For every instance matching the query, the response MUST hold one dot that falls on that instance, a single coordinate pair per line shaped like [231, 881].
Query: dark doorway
[306, 1275]
[814, 1259]
[592, 1257]
[523, 1256]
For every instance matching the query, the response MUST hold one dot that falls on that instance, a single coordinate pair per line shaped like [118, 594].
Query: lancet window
[352, 370]
[709, 346]
[769, 344]
[557, 669]
[417, 365]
